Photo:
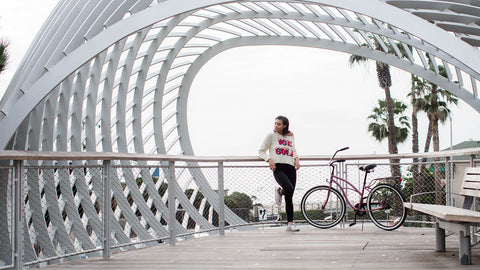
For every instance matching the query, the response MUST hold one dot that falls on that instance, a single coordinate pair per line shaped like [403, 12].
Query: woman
[283, 161]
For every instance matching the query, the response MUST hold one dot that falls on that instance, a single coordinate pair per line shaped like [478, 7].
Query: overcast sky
[236, 96]
[327, 101]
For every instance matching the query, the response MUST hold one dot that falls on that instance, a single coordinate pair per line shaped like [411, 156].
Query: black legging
[286, 177]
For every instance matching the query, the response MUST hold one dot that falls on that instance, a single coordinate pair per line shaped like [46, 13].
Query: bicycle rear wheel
[385, 206]
[323, 207]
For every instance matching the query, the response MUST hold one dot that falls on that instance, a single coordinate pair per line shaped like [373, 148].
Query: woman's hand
[297, 164]
[271, 164]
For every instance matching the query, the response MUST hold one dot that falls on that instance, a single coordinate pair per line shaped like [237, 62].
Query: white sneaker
[278, 196]
[292, 228]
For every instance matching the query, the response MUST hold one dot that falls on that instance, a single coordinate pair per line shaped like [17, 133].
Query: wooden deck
[311, 248]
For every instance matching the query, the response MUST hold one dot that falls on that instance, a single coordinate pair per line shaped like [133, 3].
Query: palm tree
[3, 55]
[378, 127]
[417, 91]
[435, 114]
[435, 103]
[385, 82]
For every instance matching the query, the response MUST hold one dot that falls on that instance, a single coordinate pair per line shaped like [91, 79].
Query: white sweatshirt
[281, 149]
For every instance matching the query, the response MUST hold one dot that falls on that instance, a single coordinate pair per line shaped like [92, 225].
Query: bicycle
[324, 206]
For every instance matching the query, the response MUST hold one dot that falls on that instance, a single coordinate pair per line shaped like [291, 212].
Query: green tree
[240, 204]
[239, 200]
[428, 195]
[378, 126]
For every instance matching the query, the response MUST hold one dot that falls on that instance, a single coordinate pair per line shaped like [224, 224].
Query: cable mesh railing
[6, 217]
[77, 207]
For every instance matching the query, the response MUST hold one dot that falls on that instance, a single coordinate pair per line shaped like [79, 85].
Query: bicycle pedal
[351, 224]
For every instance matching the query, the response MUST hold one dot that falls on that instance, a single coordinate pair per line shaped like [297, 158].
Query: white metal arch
[337, 21]
[323, 44]
[115, 76]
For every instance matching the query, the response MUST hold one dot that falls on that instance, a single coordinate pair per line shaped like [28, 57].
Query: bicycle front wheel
[385, 207]
[323, 207]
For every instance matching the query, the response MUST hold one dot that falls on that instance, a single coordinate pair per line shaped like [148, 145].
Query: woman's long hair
[285, 122]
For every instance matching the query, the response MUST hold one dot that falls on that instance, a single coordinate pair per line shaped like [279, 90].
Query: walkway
[274, 248]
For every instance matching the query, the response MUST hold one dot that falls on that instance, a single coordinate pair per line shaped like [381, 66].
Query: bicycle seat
[368, 168]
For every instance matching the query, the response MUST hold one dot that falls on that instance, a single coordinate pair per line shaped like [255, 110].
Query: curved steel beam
[306, 42]
[376, 9]
[145, 18]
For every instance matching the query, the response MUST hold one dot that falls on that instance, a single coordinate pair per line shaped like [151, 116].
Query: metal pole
[452, 198]
[451, 128]
[473, 229]
[107, 197]
[448, 182]
[171, 202]
[341, 173]
[221, 199]
[18, 223]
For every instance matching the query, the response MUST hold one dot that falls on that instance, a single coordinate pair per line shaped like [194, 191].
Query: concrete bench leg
[439, 238]
[463, 231]
[465, 251]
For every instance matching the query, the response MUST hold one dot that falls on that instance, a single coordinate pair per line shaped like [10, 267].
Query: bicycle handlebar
[339, 150]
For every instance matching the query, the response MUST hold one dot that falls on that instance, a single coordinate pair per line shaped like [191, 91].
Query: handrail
[50, 155]
[418, 194]
[100, 181]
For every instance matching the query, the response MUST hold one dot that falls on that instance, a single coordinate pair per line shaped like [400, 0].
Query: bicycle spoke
[385, 206]
[323, 208]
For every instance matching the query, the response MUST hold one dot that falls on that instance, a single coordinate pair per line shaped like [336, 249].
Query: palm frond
[3, 55]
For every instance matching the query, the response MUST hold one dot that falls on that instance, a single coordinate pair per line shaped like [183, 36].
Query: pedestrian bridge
[80, 205]
[98, 157]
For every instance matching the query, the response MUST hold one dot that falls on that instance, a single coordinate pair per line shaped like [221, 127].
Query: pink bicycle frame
[337, 180]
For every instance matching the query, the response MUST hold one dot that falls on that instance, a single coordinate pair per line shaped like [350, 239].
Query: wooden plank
[357, 247]
[447, 213]
[474, 177]
[469, 192]
[471, 185]
[471, 182]
[472, 171]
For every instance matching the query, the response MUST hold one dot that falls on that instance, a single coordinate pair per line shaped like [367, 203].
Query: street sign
[262, 214]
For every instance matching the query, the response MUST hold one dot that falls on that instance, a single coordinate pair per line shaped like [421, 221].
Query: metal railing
[58, 206]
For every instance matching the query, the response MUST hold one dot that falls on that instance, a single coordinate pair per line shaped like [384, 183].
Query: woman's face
[279, 126]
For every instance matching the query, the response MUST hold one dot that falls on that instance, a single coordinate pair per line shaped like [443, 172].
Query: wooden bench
[454, 219]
